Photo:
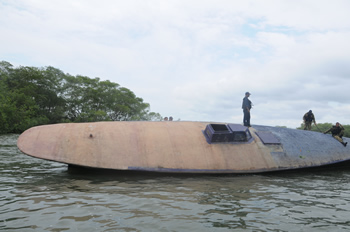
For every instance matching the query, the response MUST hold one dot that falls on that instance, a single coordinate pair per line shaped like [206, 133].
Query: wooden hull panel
[177, 147]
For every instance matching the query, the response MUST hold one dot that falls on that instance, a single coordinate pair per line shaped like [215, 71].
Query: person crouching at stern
[337, 133]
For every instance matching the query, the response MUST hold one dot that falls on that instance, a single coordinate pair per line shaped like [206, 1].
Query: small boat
[182, 146]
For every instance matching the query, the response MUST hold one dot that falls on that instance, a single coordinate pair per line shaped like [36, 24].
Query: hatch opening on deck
[227, 133]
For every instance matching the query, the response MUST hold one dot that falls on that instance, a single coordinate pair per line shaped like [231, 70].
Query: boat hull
[179, 147]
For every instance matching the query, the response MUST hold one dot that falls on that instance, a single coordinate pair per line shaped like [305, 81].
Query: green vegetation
[31, 96]
[322, 127]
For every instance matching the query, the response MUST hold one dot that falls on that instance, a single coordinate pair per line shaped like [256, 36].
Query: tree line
[31, 96]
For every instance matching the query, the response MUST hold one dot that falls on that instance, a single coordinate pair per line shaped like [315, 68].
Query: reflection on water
[37, 195]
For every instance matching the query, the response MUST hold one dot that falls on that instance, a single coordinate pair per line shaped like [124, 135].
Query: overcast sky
[195, 59]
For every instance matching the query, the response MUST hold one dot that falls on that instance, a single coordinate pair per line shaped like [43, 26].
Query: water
[38, 195]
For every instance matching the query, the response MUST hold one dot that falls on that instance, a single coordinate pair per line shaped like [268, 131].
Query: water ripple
[37, 195]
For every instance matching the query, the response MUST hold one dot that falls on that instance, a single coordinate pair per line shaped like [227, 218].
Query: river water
[38, 195]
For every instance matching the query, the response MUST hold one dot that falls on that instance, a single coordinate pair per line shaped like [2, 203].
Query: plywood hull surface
[177, 147]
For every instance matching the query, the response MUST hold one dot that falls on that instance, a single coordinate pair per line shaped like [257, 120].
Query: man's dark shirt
[335, 130]
[246, 103]
[309, 117]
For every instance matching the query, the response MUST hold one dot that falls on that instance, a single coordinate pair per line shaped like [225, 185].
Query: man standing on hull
[246, 106]
[308, 118]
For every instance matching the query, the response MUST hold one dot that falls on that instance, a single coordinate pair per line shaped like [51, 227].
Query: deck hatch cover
[231, 133]
[268, 138]
[218, 133]
[240, 133]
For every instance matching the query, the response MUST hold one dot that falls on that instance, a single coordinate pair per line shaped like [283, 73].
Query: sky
[195, 59]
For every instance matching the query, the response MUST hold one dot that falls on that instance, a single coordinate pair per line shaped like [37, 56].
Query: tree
[33, 96]
[43, 87]
[18, 111]
[94, 100]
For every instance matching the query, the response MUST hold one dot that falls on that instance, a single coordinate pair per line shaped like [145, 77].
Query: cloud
[195, 59]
